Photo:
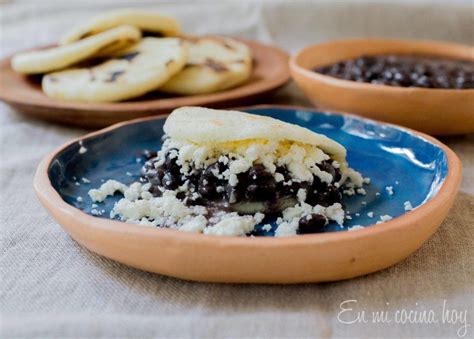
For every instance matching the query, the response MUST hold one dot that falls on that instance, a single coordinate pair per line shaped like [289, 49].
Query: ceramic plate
[24, 94]
[433, 111]
[418, 168]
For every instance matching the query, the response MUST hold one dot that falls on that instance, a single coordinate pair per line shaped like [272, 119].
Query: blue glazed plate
[413, 166]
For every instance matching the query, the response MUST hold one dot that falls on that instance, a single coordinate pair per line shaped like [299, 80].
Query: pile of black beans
[257, 184]
[405, 71]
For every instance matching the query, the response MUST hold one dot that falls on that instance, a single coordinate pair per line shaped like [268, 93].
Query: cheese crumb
[301, 195]
[232, 224]
[106, 189]
[384, 218]
[408, 206]
[288, 224]
[82, 149]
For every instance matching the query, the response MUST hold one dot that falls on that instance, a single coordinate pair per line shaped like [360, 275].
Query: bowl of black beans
[425, 85]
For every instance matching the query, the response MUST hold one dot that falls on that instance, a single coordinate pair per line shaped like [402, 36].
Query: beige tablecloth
[52, 287]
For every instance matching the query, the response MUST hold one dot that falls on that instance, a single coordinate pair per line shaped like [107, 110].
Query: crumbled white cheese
[384, 218]
[195, 224]
[370, 214]
[408, 206]
[82, 149]
[140, 207]
[301, 195]
[336, 213]
[288, 224]
[279, 177]
[85, 180]
[239, 166]
[300, 159]
[233, 180]
[258, 217]
[356, 227]
[97, 212]
[232, 224]
[389, 190]
[267, 227]
[286, 228]
[106, 189]
[79, 199]
[377, 193]
[350, 191]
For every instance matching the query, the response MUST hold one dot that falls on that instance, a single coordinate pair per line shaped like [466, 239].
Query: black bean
[404, 71]
[313, 223]
[207, 188]
[170, 181]
[327, 167]
[147, 154]
[195, 200]
[329, 196]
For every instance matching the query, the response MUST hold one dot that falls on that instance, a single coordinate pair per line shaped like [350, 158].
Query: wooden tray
[24, 94]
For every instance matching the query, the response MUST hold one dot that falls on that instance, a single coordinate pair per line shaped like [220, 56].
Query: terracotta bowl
[433, 111]
[421, 169]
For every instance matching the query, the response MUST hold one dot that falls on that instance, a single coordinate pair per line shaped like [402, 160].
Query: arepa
[133, 72]
[57, 58]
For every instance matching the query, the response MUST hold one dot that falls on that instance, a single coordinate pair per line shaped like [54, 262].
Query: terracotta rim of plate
[53, 202]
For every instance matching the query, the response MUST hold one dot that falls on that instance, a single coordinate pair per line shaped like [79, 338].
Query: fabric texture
[54, 288]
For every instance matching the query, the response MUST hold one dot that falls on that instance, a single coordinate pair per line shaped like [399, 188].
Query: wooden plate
[24, 94]
[421, 169]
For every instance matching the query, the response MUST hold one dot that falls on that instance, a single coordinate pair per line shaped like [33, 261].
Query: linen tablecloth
[53, 287]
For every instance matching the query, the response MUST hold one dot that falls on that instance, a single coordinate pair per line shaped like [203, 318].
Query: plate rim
[55, 205]
[264, 85]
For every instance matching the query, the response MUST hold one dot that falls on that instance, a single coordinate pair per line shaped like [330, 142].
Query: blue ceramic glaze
[389, 156]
